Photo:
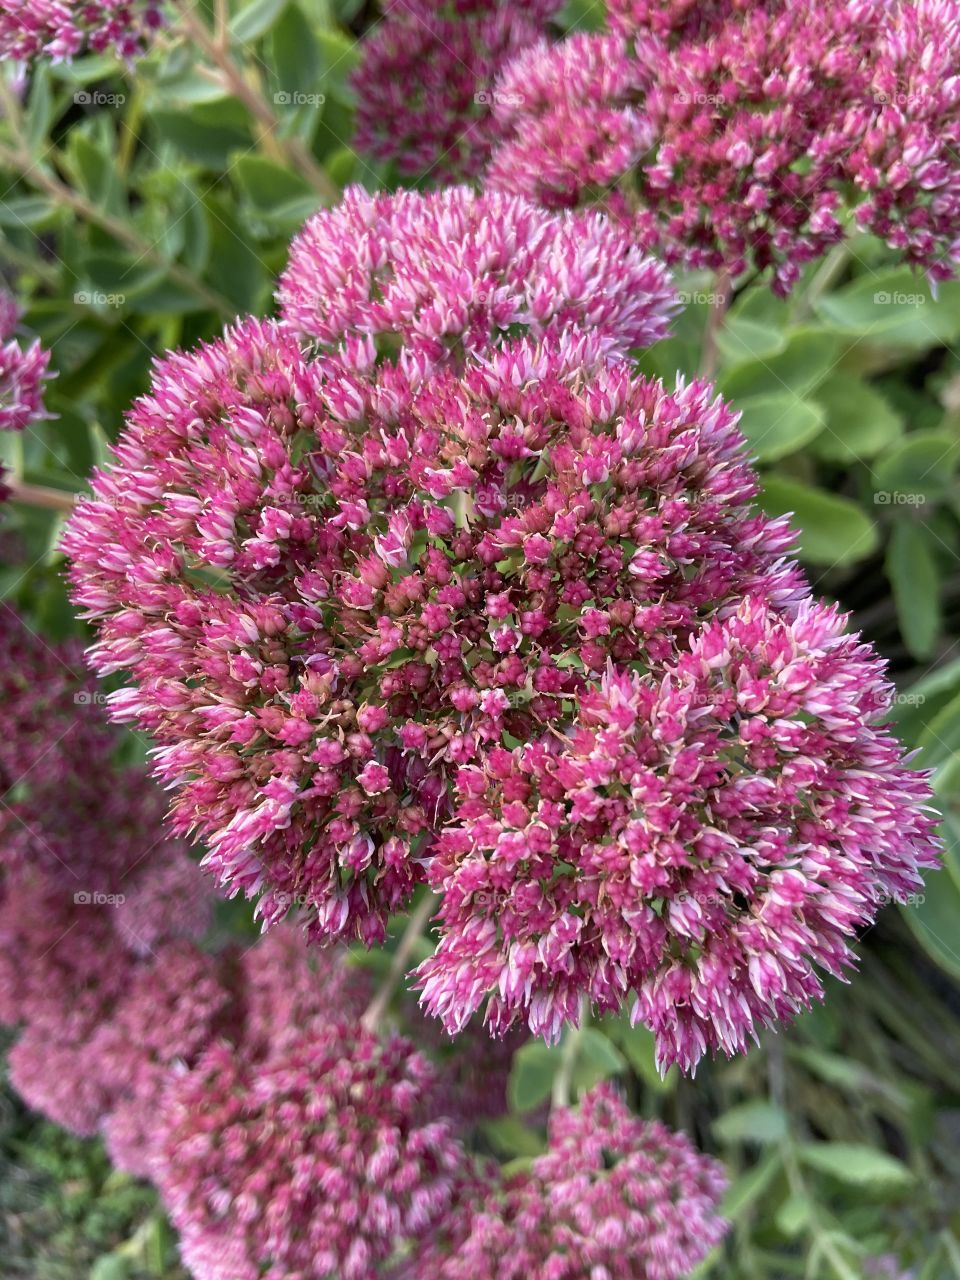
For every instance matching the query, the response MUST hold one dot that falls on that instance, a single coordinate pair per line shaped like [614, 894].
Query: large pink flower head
[742, 136]
[437, 277]
[61, 29]
[328, 603]
[614, 1196]
[707, 838]
[318, 1163]
[425, 82]
[23, 370]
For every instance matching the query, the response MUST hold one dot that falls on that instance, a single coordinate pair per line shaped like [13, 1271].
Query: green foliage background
[144, 209]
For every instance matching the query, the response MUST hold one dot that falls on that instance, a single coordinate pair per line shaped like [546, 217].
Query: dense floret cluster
[23, 370]
[397, 591]
[440, 277]
[425, 81]
[316, 1163]
[706, 839]
[743, 136]
[61, 29]
[613, 1196]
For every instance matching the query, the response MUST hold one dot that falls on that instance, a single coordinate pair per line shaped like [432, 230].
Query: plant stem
[563, 1080]
[291, 150]
[37, 495]
[723, 293]
[401, 958]
[831, 267]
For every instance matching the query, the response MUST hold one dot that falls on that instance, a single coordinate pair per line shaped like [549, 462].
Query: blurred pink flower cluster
[23, 371]
[612, 1196]
[426, 76]
[746, 136]
[62, 29]
[424, 582]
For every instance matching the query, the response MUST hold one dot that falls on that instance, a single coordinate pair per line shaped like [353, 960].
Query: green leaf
[859, 1165]
[809, 355]
[750, 1186]
[741, 339]
[912, 571]
[776, 425]
[833, 530]
[894, 308]
[758, 1121]
[255, 20]
[859, 421]
[207, 133]
[639, 1047]
[297, 58]
[269, 185]
[793, 1215]
[510, 1137]
[918, 469]
[940, 737]
[532, 1074]
[936, 920]
[596, 1059]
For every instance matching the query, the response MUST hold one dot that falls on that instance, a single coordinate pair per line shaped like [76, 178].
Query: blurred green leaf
[808, 356]
[255, 19]
[859, 1165]
[912, 571]
[532, 1074]
[859, 421]
[776, 425]
[760, 1122]
[833, 530]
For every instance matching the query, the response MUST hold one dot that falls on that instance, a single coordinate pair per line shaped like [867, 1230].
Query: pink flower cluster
[23, 370]
[707, 838]
[309, 542]
[61, 29]
[425, 81]
[614, 1196]
[741, 136]
[316, 1163]
[350, 579]
[444, 276]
